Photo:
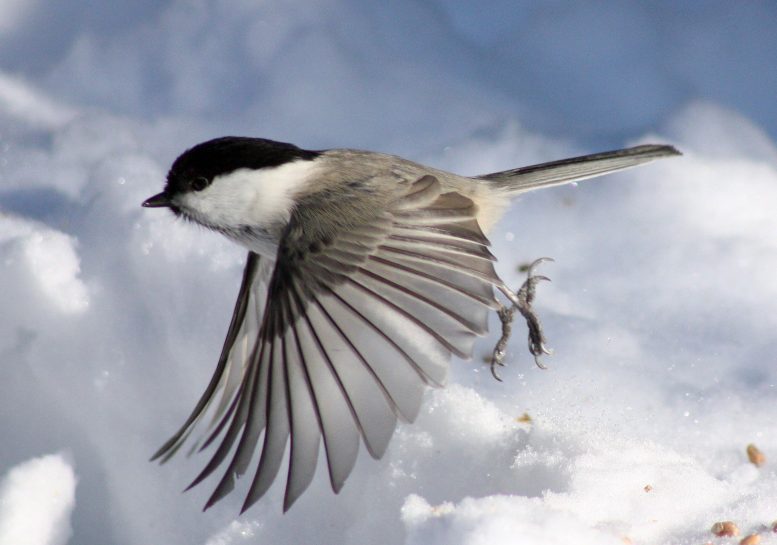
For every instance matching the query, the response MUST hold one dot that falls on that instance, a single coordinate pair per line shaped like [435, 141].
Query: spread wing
[359, 317]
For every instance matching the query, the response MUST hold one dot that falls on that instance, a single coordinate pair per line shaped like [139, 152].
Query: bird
[365, 273]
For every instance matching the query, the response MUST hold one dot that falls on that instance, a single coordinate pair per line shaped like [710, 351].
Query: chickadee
[365, 272]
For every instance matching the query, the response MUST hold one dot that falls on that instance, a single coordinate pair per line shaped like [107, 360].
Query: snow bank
[36, 500]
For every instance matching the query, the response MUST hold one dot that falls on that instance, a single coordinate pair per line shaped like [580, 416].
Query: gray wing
[249, 309]
[360, 316]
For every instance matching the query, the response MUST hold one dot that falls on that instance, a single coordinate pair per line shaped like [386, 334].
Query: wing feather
[277, 431]
[459, 286]
[242, 348]
[375, 291]
[403, 335]
[237, 323]
[438, 295]
[336, 413]
[404, 384]
[304, 422]
[254, 423]
[362, 385]
[456, 247]
[482, 269]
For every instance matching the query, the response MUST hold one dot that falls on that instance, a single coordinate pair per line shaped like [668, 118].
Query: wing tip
[377, 451]
[166, 451]
[157, 455]
[248, 505]
[250, 499]
[288, 500]
[224, 488]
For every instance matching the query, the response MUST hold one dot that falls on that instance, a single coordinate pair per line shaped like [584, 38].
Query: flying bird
[365, 273]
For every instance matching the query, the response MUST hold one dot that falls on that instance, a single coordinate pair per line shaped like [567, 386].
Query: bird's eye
[199, 183]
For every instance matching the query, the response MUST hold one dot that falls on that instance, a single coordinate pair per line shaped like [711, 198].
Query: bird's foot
[521, 301]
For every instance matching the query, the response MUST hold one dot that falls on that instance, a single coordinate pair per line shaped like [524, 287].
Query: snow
[37, 497]
[662, 309]
[46, 257]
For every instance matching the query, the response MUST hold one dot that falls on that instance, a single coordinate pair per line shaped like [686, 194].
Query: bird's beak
[158, 201]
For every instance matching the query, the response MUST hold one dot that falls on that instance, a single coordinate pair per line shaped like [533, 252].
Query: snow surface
[662, 310]
[37, 497]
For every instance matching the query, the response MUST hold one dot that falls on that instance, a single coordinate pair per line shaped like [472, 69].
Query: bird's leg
[521, 301]
[497, 359]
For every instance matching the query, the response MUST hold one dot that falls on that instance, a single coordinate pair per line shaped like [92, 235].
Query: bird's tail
[524, 179]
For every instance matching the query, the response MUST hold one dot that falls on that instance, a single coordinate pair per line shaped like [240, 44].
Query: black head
[196, 168]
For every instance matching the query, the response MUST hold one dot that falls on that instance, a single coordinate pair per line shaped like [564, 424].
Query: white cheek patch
[250, 197]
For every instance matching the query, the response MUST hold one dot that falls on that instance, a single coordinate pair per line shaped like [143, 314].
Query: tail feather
[577, 168]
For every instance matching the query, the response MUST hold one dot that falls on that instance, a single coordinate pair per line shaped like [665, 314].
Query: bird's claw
[522, 301]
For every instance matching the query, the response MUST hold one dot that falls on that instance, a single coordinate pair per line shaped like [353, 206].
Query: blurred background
[663, 287]
[409, 76]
